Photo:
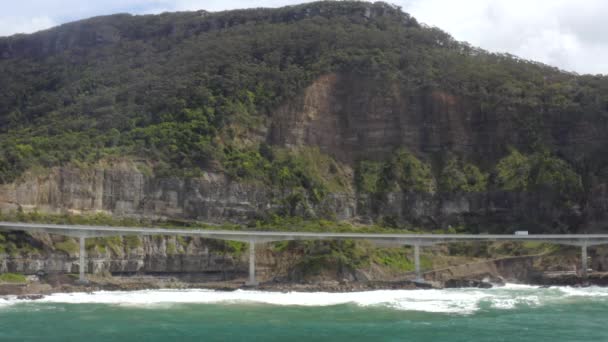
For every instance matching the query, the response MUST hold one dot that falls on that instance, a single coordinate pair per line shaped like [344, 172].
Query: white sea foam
[463, 301]
[511, 286]
[592, 291]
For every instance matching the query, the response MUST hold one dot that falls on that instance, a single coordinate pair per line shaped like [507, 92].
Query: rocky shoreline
[64, 284]
[38, 288]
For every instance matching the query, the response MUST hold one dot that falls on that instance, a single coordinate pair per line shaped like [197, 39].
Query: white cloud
[569, 34]
[565, 33]
[14, 25]
[27, 16]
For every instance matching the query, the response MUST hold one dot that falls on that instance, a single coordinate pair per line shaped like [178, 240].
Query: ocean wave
[591, 291]
[460, 301]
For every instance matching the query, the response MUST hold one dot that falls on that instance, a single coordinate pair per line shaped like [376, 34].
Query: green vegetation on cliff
[540, 170]
[272, 223]
[192, 91]
[18, 243]
[303, 172]
[406, 172]
[12, 278]
[401, 172]
[330, 109]
[515, 172]
[459, 176]
[68, 246]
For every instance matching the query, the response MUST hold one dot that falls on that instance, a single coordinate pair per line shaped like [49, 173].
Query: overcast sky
[570, 34]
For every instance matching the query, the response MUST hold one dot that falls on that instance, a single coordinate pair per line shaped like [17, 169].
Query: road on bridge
[254, 237]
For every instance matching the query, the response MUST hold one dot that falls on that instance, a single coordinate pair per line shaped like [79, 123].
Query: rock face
[349, 113]
[354, 109]
[152, 254]
[214, 198]
[353, 117]
[206, 260]
[129, 193]
[514, 269]
[356, 117]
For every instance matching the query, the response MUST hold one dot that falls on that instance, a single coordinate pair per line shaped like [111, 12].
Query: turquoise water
[508, 314]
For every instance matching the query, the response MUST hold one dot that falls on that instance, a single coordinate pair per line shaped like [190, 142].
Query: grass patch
[236, 248]
[393, 258]
[399, 259]
[367, 176]
[171, 248]
[12, 278]
[272, 223]
[517, 248]
[132, 241]
[69, 246]
[322, 168]
[182, 241]
[103, 244]
[114, 243]
[298, 224]
[319, 255]
[280, 246]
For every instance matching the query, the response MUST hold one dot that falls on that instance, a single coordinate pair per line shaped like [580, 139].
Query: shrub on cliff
[551, 172]
[367, 175]
[402, 171]
[513, 172]
[519, 172]
[406, 172]
[68, 246]
[458, 176]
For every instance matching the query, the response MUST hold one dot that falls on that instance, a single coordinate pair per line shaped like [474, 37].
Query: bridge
[417, 241]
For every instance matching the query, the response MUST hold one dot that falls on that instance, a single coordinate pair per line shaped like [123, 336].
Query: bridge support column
[252, 281]
[584, 265]
[417, 263]
[82, 264]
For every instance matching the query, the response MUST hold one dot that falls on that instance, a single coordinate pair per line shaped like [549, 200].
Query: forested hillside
[310, 102]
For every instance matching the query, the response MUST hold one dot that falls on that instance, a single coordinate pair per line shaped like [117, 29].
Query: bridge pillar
[584, 265]
[82, 265]
[252, 281]
[417, 262]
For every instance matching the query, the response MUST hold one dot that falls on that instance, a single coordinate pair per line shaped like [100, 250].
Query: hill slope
[342, 110]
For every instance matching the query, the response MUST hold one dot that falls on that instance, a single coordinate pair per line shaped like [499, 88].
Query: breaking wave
[461, 301]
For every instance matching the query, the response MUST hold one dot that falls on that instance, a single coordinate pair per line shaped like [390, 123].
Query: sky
[569, 34]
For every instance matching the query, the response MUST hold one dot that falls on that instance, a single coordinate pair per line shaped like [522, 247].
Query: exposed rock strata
[214, 198]
[152, 254]
[349, 117]
[357, 116]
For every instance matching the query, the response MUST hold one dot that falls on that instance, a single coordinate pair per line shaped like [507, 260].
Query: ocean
[510, 313]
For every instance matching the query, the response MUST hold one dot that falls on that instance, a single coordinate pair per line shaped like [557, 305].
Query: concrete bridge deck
[254, 237]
